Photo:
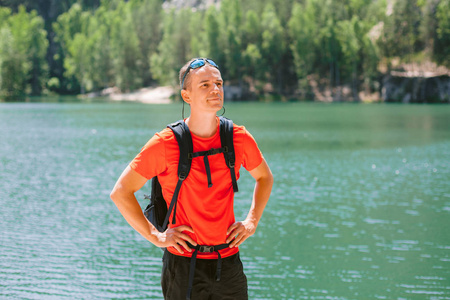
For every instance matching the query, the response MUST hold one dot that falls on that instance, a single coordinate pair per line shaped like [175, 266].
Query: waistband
[208, 249]
[204, 249]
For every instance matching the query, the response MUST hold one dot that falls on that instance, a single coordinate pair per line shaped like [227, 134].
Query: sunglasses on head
[198, 63]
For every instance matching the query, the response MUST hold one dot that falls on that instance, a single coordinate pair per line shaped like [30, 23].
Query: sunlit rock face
[195, 4]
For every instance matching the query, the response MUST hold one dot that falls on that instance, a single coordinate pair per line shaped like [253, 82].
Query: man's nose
[216, 89]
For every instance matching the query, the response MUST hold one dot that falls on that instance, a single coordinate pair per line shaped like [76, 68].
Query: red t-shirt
[208, 211]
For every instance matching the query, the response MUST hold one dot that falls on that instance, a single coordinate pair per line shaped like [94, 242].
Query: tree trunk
[355, 83]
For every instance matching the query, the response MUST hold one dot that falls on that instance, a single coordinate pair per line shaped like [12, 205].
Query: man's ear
[185, 96]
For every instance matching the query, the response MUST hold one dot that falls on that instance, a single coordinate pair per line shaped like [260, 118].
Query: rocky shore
[409, 84]
[416, 88]
[150, 95]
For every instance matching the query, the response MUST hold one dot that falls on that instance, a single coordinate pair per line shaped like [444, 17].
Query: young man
[204, 214]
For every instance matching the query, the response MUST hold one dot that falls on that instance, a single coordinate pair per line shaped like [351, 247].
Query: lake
[360, 207]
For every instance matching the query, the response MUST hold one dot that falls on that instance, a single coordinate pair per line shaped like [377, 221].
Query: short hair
[187, 79]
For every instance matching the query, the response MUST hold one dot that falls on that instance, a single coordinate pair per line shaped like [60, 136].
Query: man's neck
[204, 126]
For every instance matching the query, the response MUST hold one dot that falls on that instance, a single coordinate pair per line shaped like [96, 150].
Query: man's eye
[219, 84]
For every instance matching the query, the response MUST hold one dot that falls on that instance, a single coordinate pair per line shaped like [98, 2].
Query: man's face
[205, 93]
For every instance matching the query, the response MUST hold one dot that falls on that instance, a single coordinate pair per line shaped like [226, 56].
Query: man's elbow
[269, 179]
[266, 179]
[116, 193]
[113, 194]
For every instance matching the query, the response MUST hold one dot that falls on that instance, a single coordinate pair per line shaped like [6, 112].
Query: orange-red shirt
[208, 211]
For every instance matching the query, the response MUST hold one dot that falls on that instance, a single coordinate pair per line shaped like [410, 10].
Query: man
[204, 214]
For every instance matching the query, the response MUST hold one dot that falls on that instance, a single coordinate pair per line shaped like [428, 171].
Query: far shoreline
[148, 95]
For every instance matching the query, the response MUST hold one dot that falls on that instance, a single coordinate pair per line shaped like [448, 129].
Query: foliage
[442, 41]
[147, 17]
[173, 51]
[23, 45]
[273, 45]
[401, 30]
[304, 32]
[267, 45]
[125, 52]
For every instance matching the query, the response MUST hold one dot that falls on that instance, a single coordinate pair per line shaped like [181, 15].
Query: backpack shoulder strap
[184, 139]
[226, 139]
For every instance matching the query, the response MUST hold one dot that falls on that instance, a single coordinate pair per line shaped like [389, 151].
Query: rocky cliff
[416, 88]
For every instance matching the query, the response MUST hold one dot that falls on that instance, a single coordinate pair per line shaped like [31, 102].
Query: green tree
[214, 45]
[65, 28]
[401, 30]
[252, 71]
[4, 15]
[30, 37]
[37, 54]
[349, 36]
[273, 46]
[231, 20]
[303, 33]
[182, 36]
[125, 52]
[373, 12]
[441, 52]
[147, 19]
[370, 59]
[283, 8]
[23, 49]
[174, 49]
[428, 23]
[14, 67]
[198, 36]
[77, 62]
[49, 10]
[99, 49]
[252, 28]
[70, 23]
[329, 44]
[87, 57]
[251, 45]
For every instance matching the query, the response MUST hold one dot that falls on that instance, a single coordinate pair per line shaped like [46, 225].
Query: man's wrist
[252, 218]
[153, 236]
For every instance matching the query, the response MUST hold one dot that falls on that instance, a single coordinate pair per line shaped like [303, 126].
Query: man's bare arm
[123, 196]
[240, 231]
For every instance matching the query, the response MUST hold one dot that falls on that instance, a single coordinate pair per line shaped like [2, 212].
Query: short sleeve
[252, 155]
[150, 162]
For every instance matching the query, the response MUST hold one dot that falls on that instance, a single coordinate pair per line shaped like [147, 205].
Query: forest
[271, 49]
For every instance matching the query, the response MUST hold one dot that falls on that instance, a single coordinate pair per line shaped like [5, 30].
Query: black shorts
[175, 278]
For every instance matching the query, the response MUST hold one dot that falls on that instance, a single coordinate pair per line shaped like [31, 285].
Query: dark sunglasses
[198, 63]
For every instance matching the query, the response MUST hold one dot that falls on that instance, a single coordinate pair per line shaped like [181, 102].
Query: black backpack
[156, 212]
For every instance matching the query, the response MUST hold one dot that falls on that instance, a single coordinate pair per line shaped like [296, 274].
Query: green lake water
[360, 207]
